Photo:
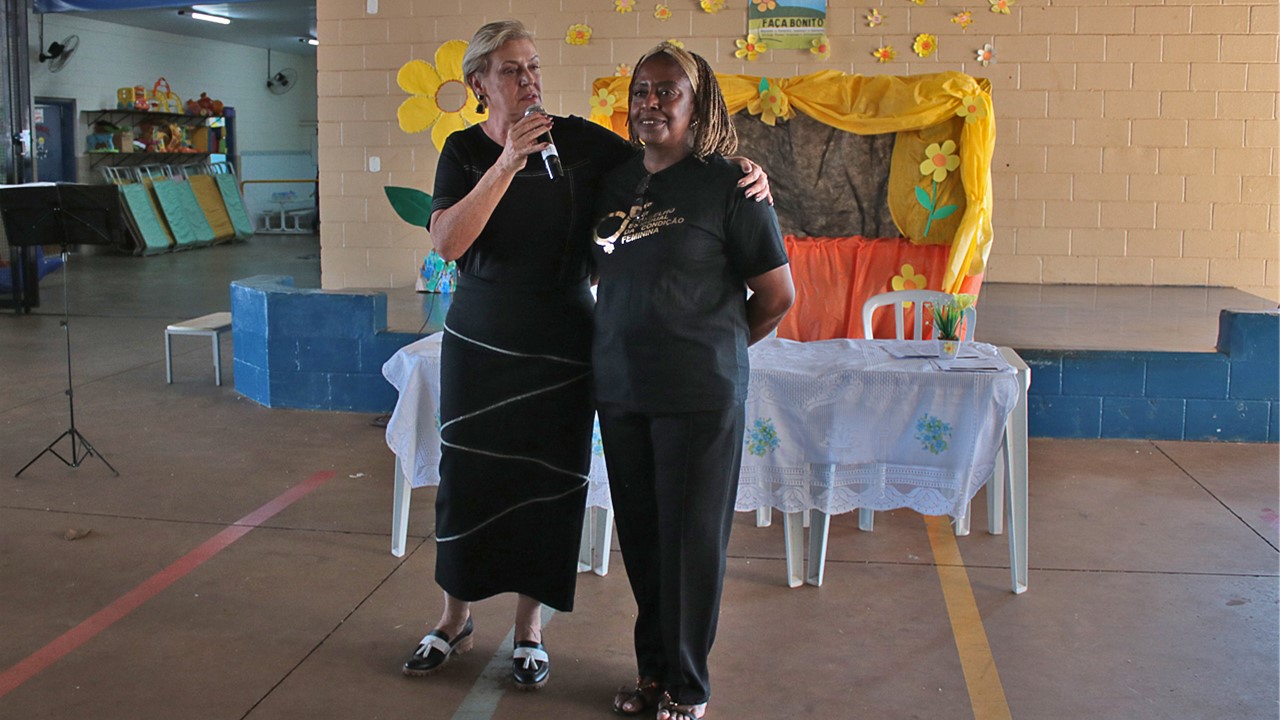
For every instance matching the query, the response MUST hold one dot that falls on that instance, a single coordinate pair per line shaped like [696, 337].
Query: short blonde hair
[488, 38]
[714, 132]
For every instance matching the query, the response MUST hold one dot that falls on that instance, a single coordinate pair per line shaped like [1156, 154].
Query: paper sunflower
[970, 109]
[874, 18]
[623, 70]
[925, 45]
[918, 2]
[964, 19]
[821, 47]
[1000, 6]
[624, 6]
[750, 47]
[765, 5]
[940, 160]
[662, 12]
[885, 54]
[578, 34]
[602, 103]
[909, 279]
[423, 82]
[712, 6]
[986, 54]
[676, 42]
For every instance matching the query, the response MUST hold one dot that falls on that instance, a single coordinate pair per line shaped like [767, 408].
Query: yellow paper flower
[602, 102]
[964, 19]
[1000, 6]
[970, 109]
[578, 34]
[676, 42]
[940, 160]
[909, 279]
[770, 104]
[925, 45]
[964, 301]
[623, 70]
[712, 6]
[750, 48]
[423, 82]
[765, 5]
[885, 54]
[874, 18]
[918, 2]
[623, 6]
[821, 47]
[986, 54]
[662, 12]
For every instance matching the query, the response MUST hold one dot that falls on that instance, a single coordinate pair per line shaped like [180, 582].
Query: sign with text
[792, 24]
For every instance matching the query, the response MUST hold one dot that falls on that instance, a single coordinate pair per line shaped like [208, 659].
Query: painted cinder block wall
[1137, 139]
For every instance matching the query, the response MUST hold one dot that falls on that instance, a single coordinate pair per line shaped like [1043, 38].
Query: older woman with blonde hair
[677, 249]
[515, 407]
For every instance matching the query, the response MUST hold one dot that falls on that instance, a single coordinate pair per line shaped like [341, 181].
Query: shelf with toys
[151, 127]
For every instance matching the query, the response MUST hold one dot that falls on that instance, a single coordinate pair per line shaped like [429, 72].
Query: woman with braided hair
[676, 250]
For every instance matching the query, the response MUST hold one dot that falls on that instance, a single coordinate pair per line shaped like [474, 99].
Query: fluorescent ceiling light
[210, 18]
[310, 41]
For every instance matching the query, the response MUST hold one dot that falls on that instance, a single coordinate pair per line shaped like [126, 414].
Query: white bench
[212, 325]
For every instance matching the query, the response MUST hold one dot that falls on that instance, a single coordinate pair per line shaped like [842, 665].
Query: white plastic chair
[918, 299]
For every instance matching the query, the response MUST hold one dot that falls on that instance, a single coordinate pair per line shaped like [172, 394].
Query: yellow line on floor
[986, 694]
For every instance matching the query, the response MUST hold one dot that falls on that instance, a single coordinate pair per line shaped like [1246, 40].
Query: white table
[831, 426]
[837, 425]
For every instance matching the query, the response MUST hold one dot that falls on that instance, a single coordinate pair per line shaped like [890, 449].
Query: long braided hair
[713, 131]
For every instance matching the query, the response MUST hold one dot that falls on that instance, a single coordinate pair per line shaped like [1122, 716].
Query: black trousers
[673, 478]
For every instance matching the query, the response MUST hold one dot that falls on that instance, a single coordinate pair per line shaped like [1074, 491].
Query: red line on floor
[28, 668]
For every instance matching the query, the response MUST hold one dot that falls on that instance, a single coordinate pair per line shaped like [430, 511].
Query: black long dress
[515, 376]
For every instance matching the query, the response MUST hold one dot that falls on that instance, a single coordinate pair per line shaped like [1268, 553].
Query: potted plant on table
[948, 323]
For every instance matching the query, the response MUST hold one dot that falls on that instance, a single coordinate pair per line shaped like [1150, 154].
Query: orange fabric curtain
[835, 276]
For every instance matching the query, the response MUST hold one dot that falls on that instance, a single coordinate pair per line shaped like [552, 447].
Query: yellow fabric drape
[874, 104]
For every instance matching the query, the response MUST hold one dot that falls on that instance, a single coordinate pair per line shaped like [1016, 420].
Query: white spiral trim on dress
[585, 479]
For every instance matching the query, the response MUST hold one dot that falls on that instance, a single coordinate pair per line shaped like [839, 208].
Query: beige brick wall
[1137, 139]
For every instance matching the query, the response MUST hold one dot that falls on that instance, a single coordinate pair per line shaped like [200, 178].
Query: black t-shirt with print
[671, 322]
[535, 234]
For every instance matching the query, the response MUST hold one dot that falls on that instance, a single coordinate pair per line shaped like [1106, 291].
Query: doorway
[54, 147]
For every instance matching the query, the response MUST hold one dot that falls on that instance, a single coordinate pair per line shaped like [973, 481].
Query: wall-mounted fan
[282, 81]
[59, 53]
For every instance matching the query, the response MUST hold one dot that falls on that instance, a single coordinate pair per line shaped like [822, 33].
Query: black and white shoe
[436, 649]
[530, 665]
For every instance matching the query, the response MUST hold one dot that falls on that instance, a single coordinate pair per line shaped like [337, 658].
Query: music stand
[62, 214]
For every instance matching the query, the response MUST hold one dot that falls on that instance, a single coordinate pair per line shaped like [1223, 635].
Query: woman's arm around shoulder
[772, 294]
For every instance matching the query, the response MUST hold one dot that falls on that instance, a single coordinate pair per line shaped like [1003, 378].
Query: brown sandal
[635, 700]
[668, 709]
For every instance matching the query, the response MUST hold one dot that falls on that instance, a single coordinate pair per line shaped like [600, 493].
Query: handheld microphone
[550, 156]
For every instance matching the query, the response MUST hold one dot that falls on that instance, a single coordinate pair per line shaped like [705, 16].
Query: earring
[480, 103]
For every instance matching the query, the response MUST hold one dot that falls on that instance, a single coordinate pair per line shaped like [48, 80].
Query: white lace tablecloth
[843, 424]
[832, 425]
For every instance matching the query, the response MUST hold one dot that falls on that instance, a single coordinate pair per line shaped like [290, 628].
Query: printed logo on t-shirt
[620, 228]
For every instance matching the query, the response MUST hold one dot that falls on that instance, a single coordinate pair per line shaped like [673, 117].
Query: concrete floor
[1153, 584]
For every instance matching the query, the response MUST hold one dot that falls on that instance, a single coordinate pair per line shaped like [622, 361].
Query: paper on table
[972, 364]
[902, 349]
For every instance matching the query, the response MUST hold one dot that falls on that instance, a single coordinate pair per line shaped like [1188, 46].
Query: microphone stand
[81, 448]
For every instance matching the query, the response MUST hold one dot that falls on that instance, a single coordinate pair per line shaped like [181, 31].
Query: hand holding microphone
[550, 156]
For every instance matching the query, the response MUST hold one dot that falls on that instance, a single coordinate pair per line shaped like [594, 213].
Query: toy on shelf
[205, 106]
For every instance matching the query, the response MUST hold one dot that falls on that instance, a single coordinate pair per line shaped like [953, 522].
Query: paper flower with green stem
[750, 47]
[424, 82]
[1000, 6]
[603, 102]
[884, 54]
[770, 104]
[925, 45]
[821, 47]
[970, 109]
[948, 315]
[938, 161]
[578, 34]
